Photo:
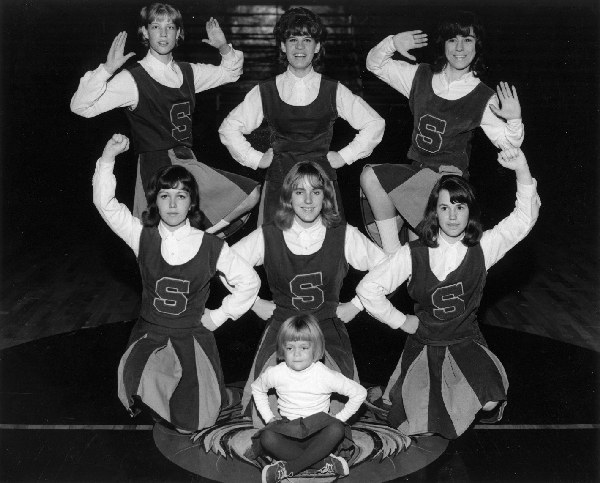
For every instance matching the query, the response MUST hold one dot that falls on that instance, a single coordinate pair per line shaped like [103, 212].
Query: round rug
[381, 453]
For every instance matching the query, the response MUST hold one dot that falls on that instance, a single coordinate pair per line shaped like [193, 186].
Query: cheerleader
[446, 373]
[171, 364]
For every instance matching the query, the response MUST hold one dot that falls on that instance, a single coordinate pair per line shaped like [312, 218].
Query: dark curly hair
[460, 191]
[460, 23]
[300, 21]
[172, 177]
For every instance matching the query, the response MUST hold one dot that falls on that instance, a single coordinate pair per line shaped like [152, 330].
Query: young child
[171, 363]
[305, 253]
[446, 373]
[158, 97]
[300, 107]
[448, 102]
[303, 434]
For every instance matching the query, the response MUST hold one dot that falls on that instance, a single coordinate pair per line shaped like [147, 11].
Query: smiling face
[162, 34]
[173, 206]
[460, 52]
[452, 217]
[300, 51]
[298, 354]
[307, 202]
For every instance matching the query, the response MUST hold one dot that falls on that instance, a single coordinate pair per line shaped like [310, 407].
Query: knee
[488, 406]
[368, 180]
[336, 429]
[254, 197]
[268, 439]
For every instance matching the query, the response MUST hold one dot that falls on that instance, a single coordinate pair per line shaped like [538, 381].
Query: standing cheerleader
[446, 372]
[300, 107]
[171, 364]
[158, 97]
[448, 102]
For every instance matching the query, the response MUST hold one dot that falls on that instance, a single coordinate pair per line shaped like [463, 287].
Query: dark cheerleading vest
[163, 117]
[174, 295]
[305, 283]
[299, 133]
[447, 310]
[443, 129]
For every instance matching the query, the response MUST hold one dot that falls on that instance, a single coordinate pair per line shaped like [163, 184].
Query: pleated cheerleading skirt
[175, 372]
[409, 187]
[221, 192]
[440, 389]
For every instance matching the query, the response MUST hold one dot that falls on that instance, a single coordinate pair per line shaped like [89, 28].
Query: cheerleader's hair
[460, 23]
[159, 11]
[300, 21]
[317, 178]
[172, 177]
[460, 191]
[301, 327]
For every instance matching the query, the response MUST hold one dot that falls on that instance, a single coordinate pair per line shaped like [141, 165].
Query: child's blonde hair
[301, 327]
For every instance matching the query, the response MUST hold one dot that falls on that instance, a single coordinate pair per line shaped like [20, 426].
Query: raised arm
[501, 121]
[397, 73]
[207, 76]
[115, 214]
[98, 93]
[512, 229]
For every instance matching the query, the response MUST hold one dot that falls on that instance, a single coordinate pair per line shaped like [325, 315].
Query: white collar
[467, 77]
[313, 229]
[156, 64]
[291, 77]
[182, 232]
[445, 244]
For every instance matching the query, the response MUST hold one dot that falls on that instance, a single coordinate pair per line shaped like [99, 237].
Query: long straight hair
[317, 178]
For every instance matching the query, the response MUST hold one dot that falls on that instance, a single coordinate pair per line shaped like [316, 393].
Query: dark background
[548, 50]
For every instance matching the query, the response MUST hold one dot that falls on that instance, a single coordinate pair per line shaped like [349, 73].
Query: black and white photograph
[342, 240]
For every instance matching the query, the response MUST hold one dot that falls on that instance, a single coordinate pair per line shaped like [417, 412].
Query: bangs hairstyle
[172, 177]
[460, 23]
[460, 191]
[317, 178]
[300, 21]
[301, 327]
[158, 11]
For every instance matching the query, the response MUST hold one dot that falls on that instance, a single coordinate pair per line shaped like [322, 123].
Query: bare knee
[368, 180]
[254, 197]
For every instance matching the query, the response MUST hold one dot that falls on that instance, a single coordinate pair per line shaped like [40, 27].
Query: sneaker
[275, 472]
[493, 416]
[335, 465]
